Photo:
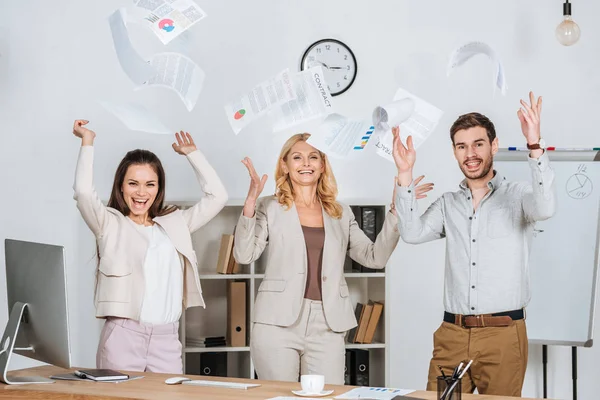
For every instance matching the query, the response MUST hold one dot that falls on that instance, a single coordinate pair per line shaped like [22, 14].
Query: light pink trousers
[133, 346]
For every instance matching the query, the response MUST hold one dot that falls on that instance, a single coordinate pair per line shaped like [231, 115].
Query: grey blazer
[281, 293]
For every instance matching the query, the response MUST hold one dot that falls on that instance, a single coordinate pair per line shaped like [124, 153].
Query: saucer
[305, 394]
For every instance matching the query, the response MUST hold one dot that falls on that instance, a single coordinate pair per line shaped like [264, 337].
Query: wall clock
[336, 59]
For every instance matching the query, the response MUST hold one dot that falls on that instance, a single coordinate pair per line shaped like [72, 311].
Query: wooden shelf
[365, 345]
[219, 349]
[364, 274]
[212, 321]
[225, 276]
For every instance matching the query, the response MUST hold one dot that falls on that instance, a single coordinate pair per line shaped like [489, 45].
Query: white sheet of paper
[170, 18]
[258, 101]
[471, 49]
[136, 68]
[179, 73]
[374, 393]
[393, 114]
[137, 117]
[313, 100]
[340, 137]
[296, 398]
[419, 125]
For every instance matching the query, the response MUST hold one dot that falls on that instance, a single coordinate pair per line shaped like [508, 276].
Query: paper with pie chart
[179, 73]
[169, 19]
[259, 100]
[422, 121]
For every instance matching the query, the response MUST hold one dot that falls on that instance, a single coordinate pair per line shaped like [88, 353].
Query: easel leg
[574, 372]
[545, 370]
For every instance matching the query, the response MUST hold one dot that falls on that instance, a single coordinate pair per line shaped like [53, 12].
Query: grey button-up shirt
[487, 250]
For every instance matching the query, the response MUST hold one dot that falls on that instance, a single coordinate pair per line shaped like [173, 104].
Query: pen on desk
[453, 386]
[79, 374]
[465, 370]
[457, 370]
[442, 371]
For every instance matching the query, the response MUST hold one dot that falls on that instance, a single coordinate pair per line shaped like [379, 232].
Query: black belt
[514, 315]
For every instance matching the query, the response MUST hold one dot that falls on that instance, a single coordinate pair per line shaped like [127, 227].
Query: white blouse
[163, 276]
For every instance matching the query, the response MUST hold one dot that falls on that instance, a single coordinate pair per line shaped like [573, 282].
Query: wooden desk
[152, 386]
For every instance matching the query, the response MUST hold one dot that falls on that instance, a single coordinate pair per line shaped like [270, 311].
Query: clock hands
[323, 64]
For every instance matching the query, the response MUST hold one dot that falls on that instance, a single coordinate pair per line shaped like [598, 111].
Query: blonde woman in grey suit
[303, 308]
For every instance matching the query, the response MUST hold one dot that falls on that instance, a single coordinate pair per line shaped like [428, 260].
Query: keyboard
[218, 384]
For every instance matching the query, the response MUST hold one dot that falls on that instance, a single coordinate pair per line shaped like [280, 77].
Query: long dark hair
[116, 200]
[140, 157]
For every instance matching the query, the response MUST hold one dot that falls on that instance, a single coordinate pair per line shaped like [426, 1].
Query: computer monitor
[38, 325]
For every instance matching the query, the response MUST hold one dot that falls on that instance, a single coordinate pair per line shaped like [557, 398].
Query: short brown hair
[472, 120]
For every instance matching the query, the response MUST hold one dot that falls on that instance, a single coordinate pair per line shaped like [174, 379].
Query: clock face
[336, 59]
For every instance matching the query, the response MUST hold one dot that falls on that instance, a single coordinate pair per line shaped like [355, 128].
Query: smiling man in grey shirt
[488, 224]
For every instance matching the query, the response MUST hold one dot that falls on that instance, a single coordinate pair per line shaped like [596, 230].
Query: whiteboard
[564, 251]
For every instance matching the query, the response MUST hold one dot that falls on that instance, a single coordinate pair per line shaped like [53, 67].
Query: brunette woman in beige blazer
[147, 270]
[303, 308]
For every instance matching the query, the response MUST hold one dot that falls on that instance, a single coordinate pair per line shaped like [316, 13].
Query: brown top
[315, 240]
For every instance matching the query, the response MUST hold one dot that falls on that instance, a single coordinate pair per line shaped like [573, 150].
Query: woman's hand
[185, 144]
[87, 135]
[256, 187]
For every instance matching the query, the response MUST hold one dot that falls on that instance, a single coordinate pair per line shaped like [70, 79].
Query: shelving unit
[212, 321]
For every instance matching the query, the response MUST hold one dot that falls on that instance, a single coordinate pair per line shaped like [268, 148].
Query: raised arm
[413, 227]
[90, 206]
[251, 232]
[376, 255]
[539, 199]
[215, 194]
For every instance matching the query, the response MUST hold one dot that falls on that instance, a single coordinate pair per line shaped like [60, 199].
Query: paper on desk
[296, 398]
[339, 136]
[421, 123]
[260, 100]
[136, 68]
[136, 117]
[170, 18]
[179, 73]
[471, 49]
[376, 393]
[313, 100]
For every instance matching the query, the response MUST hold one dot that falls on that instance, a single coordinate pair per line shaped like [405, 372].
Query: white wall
[61, 61]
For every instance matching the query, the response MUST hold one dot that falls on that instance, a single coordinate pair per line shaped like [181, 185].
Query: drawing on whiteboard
[579, 186]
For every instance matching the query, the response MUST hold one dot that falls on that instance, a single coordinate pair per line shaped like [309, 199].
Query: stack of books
[368, 316]
[226, 263]
[214, 341]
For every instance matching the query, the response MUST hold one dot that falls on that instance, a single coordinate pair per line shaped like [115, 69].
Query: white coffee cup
[312, 384]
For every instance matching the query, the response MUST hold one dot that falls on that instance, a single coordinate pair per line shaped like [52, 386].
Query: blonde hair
[326, 187]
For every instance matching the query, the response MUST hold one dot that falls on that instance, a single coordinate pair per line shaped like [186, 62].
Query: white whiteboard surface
[564, 250]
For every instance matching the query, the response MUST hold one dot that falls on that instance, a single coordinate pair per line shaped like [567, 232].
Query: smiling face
[304, 164]
[474, 152]
[139, 188]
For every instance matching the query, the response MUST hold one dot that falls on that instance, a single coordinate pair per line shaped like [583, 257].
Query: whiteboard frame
[562, 156]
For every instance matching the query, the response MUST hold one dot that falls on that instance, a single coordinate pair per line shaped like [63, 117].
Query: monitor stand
[7, 346]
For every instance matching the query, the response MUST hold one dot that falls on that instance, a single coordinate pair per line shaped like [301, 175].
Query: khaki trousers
[499, 357]
[308, 346]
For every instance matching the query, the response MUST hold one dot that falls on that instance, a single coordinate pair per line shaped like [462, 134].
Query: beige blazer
[122, 248]
[281, 293]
